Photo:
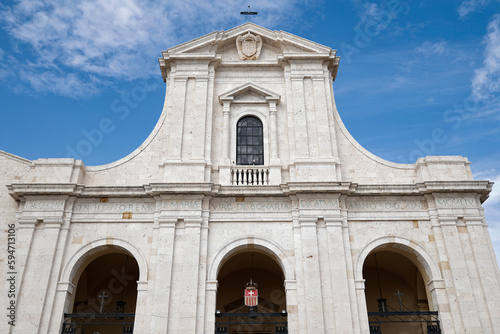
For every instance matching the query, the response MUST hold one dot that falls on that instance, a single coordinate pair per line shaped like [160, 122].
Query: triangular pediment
[216, 40]
[224, 48]
[249, 93]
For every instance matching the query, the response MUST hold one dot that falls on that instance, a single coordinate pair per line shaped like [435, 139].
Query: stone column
[199, 119]
[64, 291]
[327, 277]
[184, 294]
[211, 297]
[322, 122]
[141, 308]
[273, 138]
[361, 301]
[340, 274]
[450, 317]
[299, 117]
[350, 272]
[299, 264]
[25, 227]
[163, 238]
[51, 314]
[203, 267]
[460, 275]
[226, 134]
[292, 306]
[486, 276]
[36, 280]
[311, 275]
[441, 303]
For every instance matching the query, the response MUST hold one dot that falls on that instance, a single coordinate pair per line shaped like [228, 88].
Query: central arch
[267, 246]
[231, 269]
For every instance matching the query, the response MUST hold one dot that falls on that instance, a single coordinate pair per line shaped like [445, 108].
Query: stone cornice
[167, 59]
[153, 189]
[318, 187]
[18, 190]
[242, 190]
[482, 188]
[103, 191]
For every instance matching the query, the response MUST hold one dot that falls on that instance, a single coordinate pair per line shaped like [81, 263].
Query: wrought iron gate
[79, 322]
[275, 323]
[429, 318]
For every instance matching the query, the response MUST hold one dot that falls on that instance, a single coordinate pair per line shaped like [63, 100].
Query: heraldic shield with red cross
[251, 294]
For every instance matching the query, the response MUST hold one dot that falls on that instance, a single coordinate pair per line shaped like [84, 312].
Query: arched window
[249, 142]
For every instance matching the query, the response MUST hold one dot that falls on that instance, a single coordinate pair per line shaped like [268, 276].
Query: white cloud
[372, 15]
[486, 81]
[429, 48]
[97, 40]
[469, 6]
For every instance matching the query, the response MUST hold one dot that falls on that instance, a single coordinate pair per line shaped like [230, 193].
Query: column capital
[435, 284]
[65, 287]
[359, 284]
[212, 285]
[226, 105]
[308, 221]
[290, 284]
[142, 285]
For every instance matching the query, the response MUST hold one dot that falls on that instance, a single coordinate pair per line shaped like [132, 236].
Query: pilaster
[340, 274]
[40, 237]
[163, 239]
[311, 275]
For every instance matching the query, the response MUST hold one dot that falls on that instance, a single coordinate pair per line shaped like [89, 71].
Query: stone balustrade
[250, 176]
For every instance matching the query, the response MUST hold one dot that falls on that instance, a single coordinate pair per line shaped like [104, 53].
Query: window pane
[249, 141]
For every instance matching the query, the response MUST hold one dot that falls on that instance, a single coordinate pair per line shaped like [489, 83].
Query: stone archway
[105, 292]
[397, 295]
[232, 315]
[230, 270]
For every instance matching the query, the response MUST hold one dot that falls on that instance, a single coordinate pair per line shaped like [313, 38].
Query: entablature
[480, 188]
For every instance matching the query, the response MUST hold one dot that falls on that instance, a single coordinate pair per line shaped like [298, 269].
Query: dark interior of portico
[233, 316]
[396, 295]
[105, 296]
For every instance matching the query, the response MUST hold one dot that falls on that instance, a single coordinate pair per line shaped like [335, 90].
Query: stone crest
[249, 46]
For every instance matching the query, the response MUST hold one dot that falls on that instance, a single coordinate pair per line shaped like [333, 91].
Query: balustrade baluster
[249, 176]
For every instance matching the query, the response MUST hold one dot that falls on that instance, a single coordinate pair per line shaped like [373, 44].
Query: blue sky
[416, 78]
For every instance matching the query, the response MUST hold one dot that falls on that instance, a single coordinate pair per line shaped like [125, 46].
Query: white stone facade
[176, 206]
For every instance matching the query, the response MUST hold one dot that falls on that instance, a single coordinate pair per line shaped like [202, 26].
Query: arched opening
[235, 314]
[105, 296]
[249, 141]
[397, 297]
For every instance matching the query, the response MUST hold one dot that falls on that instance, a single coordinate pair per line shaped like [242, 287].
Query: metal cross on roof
[248, 13]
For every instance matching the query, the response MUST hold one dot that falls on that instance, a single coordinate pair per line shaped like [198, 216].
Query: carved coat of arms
[249, 46]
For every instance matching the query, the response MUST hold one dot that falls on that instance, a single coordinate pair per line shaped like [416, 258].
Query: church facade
[249, 209]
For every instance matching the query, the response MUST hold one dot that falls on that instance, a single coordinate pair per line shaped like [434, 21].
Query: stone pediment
[242, 45]
[249, 93]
